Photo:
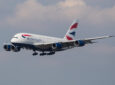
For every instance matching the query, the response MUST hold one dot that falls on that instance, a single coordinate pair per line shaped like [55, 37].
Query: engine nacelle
[9, 47]
[79, 43]
[57, 46]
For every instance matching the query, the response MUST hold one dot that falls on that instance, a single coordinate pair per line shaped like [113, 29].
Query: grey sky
[90, 65]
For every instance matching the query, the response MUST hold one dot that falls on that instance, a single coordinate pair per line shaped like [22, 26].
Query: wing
[90, 40]
[67, 44]
[57, 46]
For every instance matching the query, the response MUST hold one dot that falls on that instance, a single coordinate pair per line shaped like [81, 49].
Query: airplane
[48, 45]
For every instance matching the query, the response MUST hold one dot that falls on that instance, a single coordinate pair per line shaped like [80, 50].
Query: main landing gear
[50, 53]
[42, 54]
[35, 53]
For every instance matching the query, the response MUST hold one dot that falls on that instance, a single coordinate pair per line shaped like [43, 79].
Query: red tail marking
[68, 38]
[74, 26]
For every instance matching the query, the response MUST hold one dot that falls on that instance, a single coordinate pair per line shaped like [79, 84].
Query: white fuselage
[27, 38]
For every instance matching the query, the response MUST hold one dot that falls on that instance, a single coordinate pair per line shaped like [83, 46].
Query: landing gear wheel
[34, 54]
[51, 53]
[42, 54]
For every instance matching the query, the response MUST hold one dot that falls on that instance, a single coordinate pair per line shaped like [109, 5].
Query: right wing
[67, 44]
[90, 40]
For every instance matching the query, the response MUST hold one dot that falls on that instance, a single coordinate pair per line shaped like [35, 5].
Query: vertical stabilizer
[71, 33]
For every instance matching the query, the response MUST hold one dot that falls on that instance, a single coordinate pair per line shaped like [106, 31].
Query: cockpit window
[15, 37]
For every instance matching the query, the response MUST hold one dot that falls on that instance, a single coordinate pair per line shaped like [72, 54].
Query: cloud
[33, 10]
[32, 15]
[68, 9]
[71, 3]
[102, 15]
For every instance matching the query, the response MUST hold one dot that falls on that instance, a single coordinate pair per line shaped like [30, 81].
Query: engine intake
[7, 47]
[57, 46]
[80, 43]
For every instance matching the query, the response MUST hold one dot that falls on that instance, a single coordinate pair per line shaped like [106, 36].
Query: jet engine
[9, 47]
[79, 43]
[57, 46]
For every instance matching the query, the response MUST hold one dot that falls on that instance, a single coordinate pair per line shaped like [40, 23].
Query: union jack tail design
[71, 33]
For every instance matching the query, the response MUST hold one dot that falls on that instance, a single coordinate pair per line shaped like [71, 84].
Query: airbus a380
[48, 45]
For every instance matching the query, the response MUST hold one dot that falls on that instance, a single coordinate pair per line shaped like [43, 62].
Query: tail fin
[71, 33]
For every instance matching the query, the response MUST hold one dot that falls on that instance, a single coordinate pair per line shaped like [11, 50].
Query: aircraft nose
[14, 40]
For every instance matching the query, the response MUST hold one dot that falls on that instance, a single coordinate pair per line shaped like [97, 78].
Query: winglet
[112, 36]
